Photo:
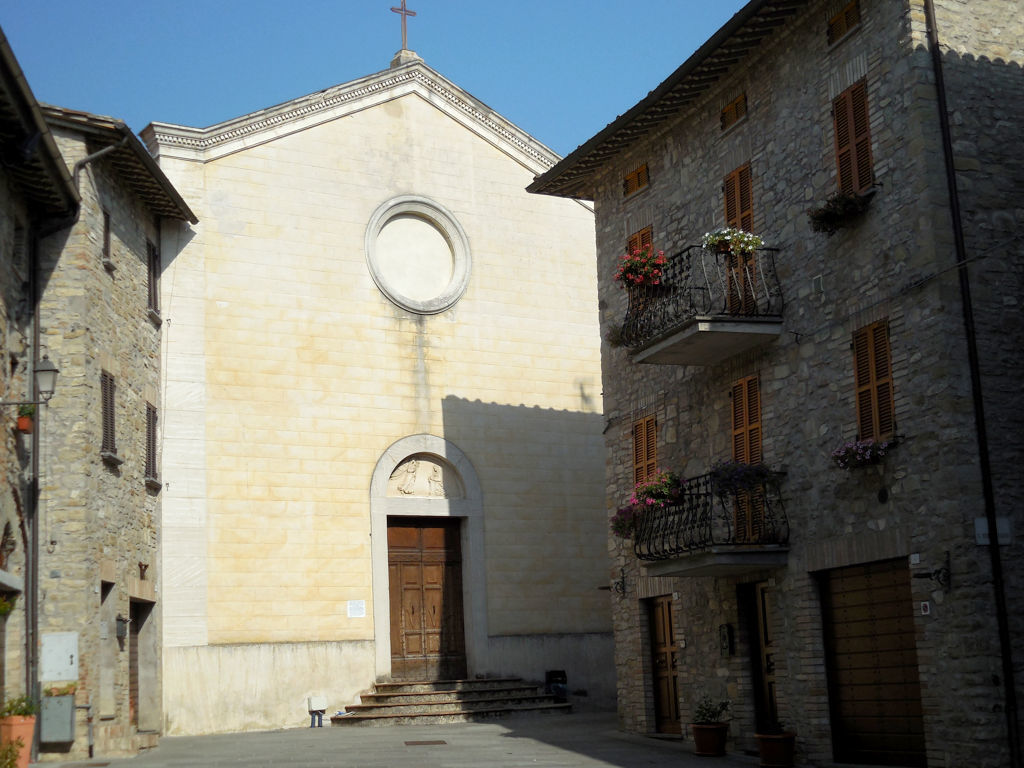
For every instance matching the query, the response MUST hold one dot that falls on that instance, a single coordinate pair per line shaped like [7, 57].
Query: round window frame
[448, 225]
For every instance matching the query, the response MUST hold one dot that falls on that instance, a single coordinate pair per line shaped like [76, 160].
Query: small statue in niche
[436, 481]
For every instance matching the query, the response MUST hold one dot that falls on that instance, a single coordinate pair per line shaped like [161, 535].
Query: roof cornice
[574, 176]
[206, 144]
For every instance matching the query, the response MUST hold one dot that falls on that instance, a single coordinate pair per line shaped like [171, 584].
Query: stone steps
[448, 701]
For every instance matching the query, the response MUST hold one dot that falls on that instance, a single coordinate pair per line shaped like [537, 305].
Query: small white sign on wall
[357, 609]
[59, 657]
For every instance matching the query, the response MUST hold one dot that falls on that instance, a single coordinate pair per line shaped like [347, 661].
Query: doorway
[871, 660]
[425, 594]
[664, 666]
[755, 602]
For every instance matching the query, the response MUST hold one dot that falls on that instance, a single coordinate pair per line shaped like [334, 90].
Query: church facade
[381, 436]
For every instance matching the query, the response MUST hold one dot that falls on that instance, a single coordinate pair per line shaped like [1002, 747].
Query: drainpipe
[94, 156]
[32, 500]
[998, 584]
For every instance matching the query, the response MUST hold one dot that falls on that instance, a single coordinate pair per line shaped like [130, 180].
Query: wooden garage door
[425, 576]
[874, 692]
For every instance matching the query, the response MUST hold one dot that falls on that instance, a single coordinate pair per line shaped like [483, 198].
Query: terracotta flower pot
[709, 738]
[25, 424]
[19, 727]
[776, 749]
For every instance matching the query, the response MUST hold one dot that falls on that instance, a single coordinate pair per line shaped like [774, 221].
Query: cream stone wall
[289, 374]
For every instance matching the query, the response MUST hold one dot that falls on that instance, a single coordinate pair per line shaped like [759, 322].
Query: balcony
[711, 306]
[712, 531]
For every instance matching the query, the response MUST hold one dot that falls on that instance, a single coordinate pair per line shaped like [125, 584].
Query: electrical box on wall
[59, 657]
[57, 720]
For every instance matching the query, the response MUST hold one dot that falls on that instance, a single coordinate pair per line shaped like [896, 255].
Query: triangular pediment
[416, 78]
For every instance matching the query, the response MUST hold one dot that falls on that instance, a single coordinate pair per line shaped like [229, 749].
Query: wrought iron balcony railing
[706, 517]
[700, 283]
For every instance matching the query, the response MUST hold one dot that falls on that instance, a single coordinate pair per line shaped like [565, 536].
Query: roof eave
[133, 160]
[572, 178]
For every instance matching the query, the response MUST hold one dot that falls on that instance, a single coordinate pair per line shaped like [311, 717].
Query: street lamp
[46, 382]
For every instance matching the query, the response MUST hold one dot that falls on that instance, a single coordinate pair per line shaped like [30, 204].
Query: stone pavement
[586, 740]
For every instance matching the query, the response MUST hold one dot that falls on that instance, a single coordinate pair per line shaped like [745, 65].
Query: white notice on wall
[357, 609]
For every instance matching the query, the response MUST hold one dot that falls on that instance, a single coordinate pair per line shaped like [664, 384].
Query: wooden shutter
[844, 21]
[106, 235]
[734, 111]
[746, 420]
[636, 179]
[746, 448]
[645, 449]
[853, 139]
[153, 258]
[739, 199]
[107, 399]
[151, 442]
[872, 365]
[640, 240]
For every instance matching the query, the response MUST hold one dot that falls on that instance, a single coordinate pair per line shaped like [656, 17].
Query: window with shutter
[740, 268]
[645, 449]
[636, 180]
[872, 365]
[853, 139]
[153, 258]
[151, 468]
[739, 199]
[109, 444]
[746, 448]
[843, 22]
[734, 111]
[640, 240]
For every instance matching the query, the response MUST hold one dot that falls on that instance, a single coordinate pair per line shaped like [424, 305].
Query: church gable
[207, 144]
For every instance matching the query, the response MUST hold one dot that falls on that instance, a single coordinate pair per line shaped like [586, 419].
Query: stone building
[863, 608]
[375, 339]
[80, 226]
[101, 324]
[36, 196]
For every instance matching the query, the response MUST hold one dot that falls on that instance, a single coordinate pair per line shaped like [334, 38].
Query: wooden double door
[425, 581]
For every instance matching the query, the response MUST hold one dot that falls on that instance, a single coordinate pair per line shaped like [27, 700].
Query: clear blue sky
[559, 69]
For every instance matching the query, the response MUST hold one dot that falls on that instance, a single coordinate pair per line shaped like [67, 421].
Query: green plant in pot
[17, 726]
[776, 745]
[708, 728]
[25, 415]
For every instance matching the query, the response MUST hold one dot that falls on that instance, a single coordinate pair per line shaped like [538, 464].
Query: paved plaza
[586, 740]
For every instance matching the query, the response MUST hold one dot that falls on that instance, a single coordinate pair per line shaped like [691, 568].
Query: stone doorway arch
[434, 479]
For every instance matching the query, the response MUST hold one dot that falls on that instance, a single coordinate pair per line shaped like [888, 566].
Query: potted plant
[6, 604]
[731, 240]
[25, 414]
[18, 723]
[709, 730]
[641, 267]
[732, 476]
[776, 746]
[840, 210]
[656, 491]
[854, 454]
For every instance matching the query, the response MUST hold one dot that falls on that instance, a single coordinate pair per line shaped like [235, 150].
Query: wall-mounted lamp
[619, 586]
[46, 382]
[121, 631]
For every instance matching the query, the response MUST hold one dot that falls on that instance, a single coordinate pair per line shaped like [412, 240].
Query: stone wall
[98, 518]
[895, 264]
[15, 343]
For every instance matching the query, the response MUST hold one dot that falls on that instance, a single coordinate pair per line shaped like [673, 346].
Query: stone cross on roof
[404, 13]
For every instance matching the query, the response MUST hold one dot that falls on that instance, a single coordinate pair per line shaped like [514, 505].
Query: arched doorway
[425, 500]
